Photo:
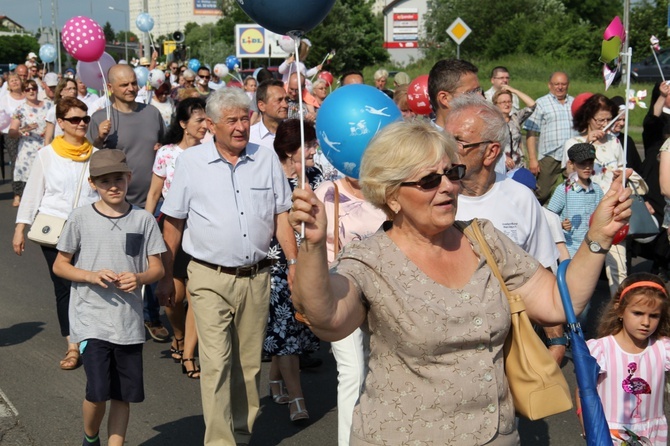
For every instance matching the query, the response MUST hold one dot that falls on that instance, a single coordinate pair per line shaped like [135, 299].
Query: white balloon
[156, 78]
[221, 70]
[287, 44]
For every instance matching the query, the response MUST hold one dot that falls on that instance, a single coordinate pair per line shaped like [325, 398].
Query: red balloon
[621, 234]
[326, 76]
[417, 96]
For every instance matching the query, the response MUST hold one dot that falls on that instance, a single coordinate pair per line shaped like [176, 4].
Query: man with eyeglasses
[272, 102]
[174, 74]
[481, 133]
[499, 77]
[449, 79]
[293, 100]
[548, 128]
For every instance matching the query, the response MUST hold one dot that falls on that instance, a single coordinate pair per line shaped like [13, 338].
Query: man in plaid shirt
[548, 129]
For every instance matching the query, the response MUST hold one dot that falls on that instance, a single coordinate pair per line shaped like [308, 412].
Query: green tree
[206, 45]
[647, 18]
[109, 32]
[14, 49]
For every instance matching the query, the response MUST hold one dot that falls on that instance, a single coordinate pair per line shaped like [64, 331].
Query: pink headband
[641, 284]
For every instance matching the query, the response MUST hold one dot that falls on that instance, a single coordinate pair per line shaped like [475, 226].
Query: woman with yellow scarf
[52, 187]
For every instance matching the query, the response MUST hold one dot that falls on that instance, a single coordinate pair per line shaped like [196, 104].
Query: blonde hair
[398, 152]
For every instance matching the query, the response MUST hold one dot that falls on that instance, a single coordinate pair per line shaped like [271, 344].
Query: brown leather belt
[240, 271]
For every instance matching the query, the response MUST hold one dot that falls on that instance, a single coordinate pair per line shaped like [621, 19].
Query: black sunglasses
[77, 119]
[433, 180]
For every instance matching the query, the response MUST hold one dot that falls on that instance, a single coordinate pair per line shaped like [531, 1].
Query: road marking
[7, 409]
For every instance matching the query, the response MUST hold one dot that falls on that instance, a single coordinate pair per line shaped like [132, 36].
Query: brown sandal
[71, 360]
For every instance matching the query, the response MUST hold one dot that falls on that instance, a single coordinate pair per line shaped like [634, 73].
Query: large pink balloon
[90, 73]
[83, 39]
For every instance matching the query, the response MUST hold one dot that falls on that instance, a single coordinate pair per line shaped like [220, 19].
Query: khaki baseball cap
[108, 161]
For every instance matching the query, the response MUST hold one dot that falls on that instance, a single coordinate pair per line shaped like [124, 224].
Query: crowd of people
[384, 272]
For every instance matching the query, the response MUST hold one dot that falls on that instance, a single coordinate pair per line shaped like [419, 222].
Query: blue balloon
[232, 63]
[47, 53]
[290, 17]
[348, 119]
[142, 74]
[144, 22]
[194, 64]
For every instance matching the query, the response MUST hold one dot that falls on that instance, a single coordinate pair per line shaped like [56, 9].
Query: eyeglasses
[602, 121]
[30, 89]
[76, 120]
[465, 145]
[433, 180]
[205, 77]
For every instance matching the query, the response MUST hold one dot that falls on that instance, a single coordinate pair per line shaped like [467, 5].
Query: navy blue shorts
[113, 371]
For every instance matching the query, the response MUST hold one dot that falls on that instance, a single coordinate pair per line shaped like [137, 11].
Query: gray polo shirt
[229, 210]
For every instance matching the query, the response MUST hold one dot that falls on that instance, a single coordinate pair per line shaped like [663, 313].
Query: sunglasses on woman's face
[75, 120]
[29, 89]
[433, 180]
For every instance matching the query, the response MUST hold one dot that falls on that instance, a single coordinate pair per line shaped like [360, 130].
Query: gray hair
[495, 128]
[381, 73]
[318, 82]
[400, 151]
[226, 99]
[188, 73]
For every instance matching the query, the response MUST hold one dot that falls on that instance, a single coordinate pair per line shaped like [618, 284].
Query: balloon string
[104, 87]
[302, 125]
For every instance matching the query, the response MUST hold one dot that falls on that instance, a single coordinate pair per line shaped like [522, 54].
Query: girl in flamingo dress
[633, 352]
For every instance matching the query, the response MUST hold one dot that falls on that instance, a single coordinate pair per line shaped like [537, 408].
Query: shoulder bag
[536, 382]
[641, 223]
[46, 229]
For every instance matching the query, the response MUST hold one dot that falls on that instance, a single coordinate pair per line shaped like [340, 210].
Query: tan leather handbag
[538, 386]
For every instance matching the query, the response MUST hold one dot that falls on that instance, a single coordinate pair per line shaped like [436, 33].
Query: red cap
[579, 101]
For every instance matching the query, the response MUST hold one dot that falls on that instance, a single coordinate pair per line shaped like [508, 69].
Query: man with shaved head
[134, 128]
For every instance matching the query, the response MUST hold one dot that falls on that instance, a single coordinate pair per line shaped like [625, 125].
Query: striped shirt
[553, 121]
[576, 204]
[620, 406]
[230, 209]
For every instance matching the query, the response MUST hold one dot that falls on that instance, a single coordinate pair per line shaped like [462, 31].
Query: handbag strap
[81, 182]
[515, 302]
[336, 220]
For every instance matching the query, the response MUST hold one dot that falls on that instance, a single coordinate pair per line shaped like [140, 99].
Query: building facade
[173, 15]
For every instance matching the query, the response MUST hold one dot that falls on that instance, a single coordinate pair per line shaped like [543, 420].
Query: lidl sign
[255, 41]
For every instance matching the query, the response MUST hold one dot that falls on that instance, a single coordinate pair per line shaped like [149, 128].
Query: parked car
[647, 70]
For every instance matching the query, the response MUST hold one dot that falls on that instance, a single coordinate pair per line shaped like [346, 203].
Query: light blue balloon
[144, 22]
[233, 62]
[194, 64]
[142, 74]
[348, 119]
[47, 53]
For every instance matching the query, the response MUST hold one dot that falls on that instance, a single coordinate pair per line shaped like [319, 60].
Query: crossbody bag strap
[336, 219]
[515, 302]
[81, 182]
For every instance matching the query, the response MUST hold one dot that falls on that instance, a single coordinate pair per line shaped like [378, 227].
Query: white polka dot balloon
[83, 39]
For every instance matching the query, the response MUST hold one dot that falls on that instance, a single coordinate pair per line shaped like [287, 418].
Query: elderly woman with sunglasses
[437, 318]
[28, 124]
[57, 172]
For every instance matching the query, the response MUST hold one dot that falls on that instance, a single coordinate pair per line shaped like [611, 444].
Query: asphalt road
[41, 405]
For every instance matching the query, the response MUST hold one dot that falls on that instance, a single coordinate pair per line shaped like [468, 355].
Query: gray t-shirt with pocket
[120, 244]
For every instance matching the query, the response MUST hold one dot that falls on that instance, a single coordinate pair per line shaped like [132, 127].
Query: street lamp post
[128, 30]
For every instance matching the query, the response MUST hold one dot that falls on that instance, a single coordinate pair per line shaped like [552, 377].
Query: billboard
[206, 7]
[253, 41]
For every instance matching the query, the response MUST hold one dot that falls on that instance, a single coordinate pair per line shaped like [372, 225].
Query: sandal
[299, 415]
[71, 360]
[281, 397]
[190, 373]
[176, 354]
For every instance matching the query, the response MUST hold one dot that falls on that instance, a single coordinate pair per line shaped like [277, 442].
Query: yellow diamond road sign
[458, 31]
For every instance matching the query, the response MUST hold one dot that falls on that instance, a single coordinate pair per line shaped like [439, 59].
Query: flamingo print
[635, 386]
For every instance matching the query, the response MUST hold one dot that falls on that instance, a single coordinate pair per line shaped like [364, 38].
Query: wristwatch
[561, 340]
[594, 246]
